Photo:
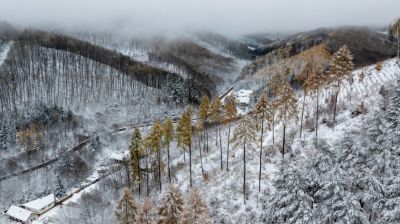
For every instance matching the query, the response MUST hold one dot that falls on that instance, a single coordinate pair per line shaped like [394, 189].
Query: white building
[243, 97]
[21, 215]
[40, 205]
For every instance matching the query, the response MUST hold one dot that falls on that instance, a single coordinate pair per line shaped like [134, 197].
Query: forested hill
[148, 75]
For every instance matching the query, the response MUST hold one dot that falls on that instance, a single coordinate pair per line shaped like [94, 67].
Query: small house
[40, 205]
[21, 215]
[243, 97]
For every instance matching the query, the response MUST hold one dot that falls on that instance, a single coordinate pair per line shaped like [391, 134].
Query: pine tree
[263, 112]
[196, 211]
[204, 112]
[59, 190]
[155, 141]
[145, 213]
[340, 68]
[172, 207]
[216, 116]
[287, 108]
[337, 204]
[136, 150]
[146, 141]
[394, 33]
[185, 135]
[245, 136]
[290, 203]
[168, 132]
[126, 209]
[230, 113]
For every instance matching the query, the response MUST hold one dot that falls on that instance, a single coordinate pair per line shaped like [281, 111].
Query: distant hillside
[367, 46]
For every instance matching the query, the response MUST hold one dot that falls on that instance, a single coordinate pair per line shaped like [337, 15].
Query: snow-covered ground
[223, 189]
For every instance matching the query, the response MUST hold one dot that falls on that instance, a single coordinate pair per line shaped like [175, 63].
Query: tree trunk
[317, 117]
[201, 157]
[220, 144]
[139, 176]
[147, 176]
[190, 163]
[159, 167]
[261, 150]
[227, 152]
[128, 175]
[273, 130]
[169, 167]
[398, 44]
[334, 110]
[283, 141]
[302, 114]
[244, 173]
[206, 137]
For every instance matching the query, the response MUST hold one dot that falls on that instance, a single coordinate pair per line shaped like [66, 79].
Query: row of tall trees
[173, 209]
[283, 106]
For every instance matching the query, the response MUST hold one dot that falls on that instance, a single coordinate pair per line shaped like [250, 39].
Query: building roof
[40, 203]
[244, 92]
[19, 213]
[119, 156]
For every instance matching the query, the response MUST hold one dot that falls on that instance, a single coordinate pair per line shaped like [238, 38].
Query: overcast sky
[229, 17]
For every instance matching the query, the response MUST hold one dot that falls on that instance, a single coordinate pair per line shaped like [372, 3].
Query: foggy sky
[229, 17]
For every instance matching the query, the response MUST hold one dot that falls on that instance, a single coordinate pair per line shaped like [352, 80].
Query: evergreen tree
[59, 190]
[263, 112]
[172, 207]
[290, 203]
[340, 68]
[287, 108]
[145, 213]
[216, 116]
[155, 141]
[126, 209]
[337, 204]
[230, 113]
[135, 152]
[196, 211]
[168, 131]
[245, 136]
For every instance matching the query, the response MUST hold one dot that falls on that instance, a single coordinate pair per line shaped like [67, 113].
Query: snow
[19, 213]
[119, 156]
[40, 203]
[4, 51]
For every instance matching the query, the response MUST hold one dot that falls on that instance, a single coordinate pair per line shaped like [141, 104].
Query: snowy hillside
[223, 189]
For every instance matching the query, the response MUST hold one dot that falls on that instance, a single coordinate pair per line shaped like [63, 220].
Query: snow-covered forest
[100, 127]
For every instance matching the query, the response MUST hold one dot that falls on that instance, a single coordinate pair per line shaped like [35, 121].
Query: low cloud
[171, 17]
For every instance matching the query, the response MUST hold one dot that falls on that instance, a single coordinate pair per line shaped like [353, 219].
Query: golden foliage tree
[185, 135]
[230, 113]
[287, 108]
[172, 207]
[155, 142]
[216, 116]
[136, 150]
[245, 136]
[168, 136]
[126, 209]
[340, 68]
[204, 111]
[394, 33]
[196, 211]
[263, 112]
